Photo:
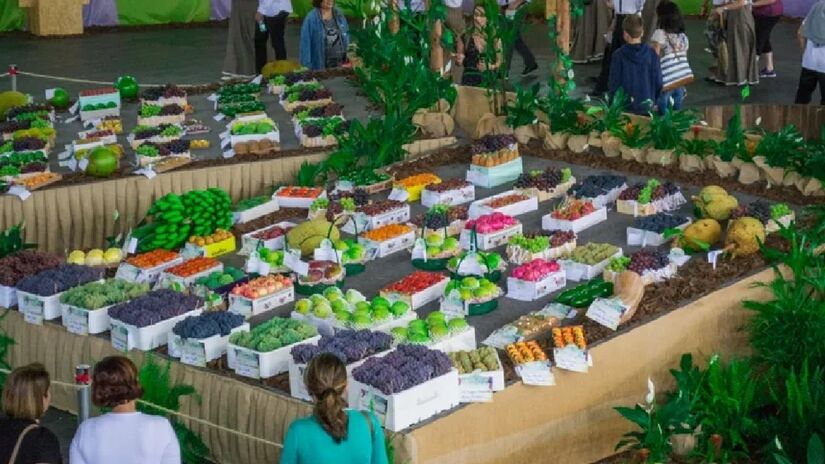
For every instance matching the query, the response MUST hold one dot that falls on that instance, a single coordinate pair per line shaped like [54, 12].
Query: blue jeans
[677, 94]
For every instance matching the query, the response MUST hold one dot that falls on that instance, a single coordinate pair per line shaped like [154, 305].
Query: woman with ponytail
[333, 433]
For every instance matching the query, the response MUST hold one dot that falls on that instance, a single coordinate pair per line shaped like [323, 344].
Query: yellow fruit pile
[199, 144]
[218, 236]
[714, 202]
[419, 179]
[95, 257]
[114, 125]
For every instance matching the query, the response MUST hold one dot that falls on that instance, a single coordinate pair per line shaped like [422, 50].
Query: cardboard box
[495, 176]
[393, 245]
[294, 202]
[578, 271]
[240, 217]
[82, 321]
[550, 223]
[258, 365]
[127, 337]
[248, 308]
[399, 215]
[419, 299]
[491, 240]
[453, 197]
[249, 243]
[481, 207]
[199, 351]
[525, 290]
[149, 275]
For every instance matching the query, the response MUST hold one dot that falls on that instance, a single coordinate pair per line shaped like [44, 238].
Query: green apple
[303, 306]
[417, 325]
[339, 305]
[465, 294]
[435, 316]
[362, 306]
[341, 245]
[481, 293]
[361, 319]
[470, 282]
[439, 329]
[322, 310]
[353, 296]
[316, 298]
[399, 308]
[381, 314]
[457, 324]
[419, 338]
[380, 300]
[343, 316]
[399, 333]
[330, 291]
[433, 251]
[434, 240]
[451, 243]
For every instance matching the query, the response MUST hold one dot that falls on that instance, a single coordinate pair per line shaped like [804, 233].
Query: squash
[629, 288]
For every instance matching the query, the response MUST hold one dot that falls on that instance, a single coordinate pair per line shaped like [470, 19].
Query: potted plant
[521, 115]
[562, 112]
[811, 168]
[777, 153]
[665, 134]
[731, 147]
[633, 142]
[579, 137]
[691, 153]
[609, 117]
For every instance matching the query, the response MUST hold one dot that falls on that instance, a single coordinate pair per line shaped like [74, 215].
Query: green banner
[140, 12]
[12, 17]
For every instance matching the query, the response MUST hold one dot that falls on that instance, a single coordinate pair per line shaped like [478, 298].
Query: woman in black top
[474, 59]
[25, 400]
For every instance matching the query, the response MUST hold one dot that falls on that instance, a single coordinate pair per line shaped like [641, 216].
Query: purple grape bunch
[163, 91]
[648, 259]
[658, 222]
[171, 110]
[492, 143]
[348, 345]
[208, 324]
[53, 281]
[545, 181]
[28, 144]
[402, 369]
[593, 186]
[155, 306]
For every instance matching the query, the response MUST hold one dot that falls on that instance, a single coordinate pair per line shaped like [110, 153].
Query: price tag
[32, 308]
[71, 120]
[127, 272]
[607, 312]
[225, 143]
[571, 358]
[213, 97]
[20, 192]
[345, 185]
[257, 80]
[399, 194]
[419, 250]
[83, 164]
[293, 261]
[77, 321]
[240, 305]
[50, 93]
[131, 245]
[120, 337]
[193, 352]
[247, 364]
[264, 268]
[475, 396]
[219, 117]
[536, 373]
[326, 252]
[713, 256]
[148, 172]
[470, 266]
[476, 388]
[73, 109]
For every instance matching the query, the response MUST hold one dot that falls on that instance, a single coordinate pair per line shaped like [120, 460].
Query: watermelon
[103, 162]
[60, 99]
[128, 86]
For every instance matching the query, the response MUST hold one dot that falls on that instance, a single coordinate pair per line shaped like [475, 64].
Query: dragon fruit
[491, 223]
[536, 270]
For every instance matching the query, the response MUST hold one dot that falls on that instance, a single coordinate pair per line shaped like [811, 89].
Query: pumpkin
[629, 288]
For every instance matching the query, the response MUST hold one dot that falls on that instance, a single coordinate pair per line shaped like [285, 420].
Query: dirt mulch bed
[267, 220]
[428, 163]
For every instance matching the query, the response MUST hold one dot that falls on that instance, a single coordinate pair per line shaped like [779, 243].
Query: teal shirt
[308, 443]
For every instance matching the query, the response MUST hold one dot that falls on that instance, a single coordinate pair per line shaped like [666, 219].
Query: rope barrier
[177, 414]
[87, 81]
[4, 74]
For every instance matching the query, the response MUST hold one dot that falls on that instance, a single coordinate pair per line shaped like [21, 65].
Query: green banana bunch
[174, 218]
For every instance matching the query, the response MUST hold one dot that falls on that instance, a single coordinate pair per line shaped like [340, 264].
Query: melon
[103, 162]
[308, 235]
[11, 99]
[279, 67]
[60, 99]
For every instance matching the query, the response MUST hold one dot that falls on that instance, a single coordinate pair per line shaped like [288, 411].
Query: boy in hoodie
[635, 68]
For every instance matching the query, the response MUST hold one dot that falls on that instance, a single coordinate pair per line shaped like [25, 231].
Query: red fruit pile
[272, 232]
[573, 210]
[100, 91]
[491, 223]
[300, 192]
[262, 286]
[507, 200]
[415, 282]
[536, 270]
[381, 207]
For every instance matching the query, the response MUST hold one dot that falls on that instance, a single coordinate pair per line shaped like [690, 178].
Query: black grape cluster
[348, 345]
[154, 307]
[492, 143]
[402, 369]
[359, 195]
[28, 143]
[295, 77]
[560, 237]
[334, 208]
[593, 186]
[312, 130]
[208, 324]
[670, 188]
[759, 209]
[175, 147]
[658, 222]
[171, 109]
[165, 91]
[59, 279]
[33, 167]
[544, 181]
[11, 126]
[647, 259]
[30, 108]
[310, 95]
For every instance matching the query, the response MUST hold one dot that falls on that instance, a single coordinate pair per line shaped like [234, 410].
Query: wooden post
[395, 23]
[563, 25]
[436, 52]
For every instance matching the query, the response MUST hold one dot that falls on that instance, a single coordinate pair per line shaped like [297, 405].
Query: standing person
[766, 14]
[475, 60]
[740, 39]
[271, 18]
[635, 69]
[240, 40]
[589, 30]
[333, 433]
[650, 19]
[510, 8]
[324, 36]
[623, 9]
[812, 38]
[671, 44]
[458, 25]
[124, 435]
[26, 399]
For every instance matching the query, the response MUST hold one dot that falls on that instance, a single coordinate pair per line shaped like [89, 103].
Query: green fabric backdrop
[12, 17]
[137, 12]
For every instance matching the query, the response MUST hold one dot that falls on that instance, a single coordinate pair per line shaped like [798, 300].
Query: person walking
[766, 13]
[324, 36]
[333, 433]
[271, 17]
[474, 60]
[510, 9]
[240, 40]
[622, 9]
[589, 30]
[812, 38]
[124, 435]
[741, 67]
[671, 44]
[26, 399]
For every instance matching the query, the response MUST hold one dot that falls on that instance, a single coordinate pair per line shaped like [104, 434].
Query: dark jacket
[313, 38]
[39, 446]
[635, 68]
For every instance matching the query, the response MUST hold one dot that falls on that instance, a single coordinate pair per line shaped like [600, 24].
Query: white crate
[463, 341]
[419, 299]
[605, 199]
[483, 380]
[253, 213]
[158, 120]
[545, 195]
[297, 388]
[550, 223]
[135, 143]
[199, 351]
[668, 203]
[258, 365]
[578, 271]
[248, 308]
[249, 243]
[292, 202]
[491, 240]
[399, 215]
[99, 114]
[393, 245]
[273, 136]
[495, 176]
[8, 296]
[649, 276]
[128, 337]
[167, 278]
[82, 321]
[403, 409]
[38, 308]
[481, 207]
[450, 197]
[330, 325]
[129, 273]
[518, 255]
[524, 290]
[643, 237]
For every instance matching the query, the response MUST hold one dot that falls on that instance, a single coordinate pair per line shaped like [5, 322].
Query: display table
[55, 17]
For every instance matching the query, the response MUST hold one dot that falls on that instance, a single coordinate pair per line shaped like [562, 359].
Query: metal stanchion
[13, 76]
[84, 392]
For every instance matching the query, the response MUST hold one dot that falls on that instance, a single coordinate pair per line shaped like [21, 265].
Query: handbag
[679, 82]
[19, 443]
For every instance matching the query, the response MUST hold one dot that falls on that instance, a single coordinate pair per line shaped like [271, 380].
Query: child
[671, 44]
[635, 69]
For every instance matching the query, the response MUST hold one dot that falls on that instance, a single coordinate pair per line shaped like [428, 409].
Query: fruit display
[169, 93]
[351, 251]
[494, 149]
[301, 76]
[178, 147]
[307, 236]
[714, 202]
[583, 295]
[274, 258]
[14, 164]
[418, 180]
[387, 232]
[381, 207]
[545, 184]
[238, 89]
[351, 308]
[536, 270]
[332, 209]
[491, 223]
[529, 326]
[10, 101]
[646, 259]
[522, 248]
[744, 236]
[208, 325]
[349, 346]
[152, 259]
[39, 180]
[28, 144]
[439, 247]
[403, 368]
[449, 184]
[573, 210]
[507, 200]
[321, 131]
[249, 203]
[242, 107]
[112, 123]
[299, 192]
[699, 235]
[593, 253]
[25, 111]
[20, 264]
[218, 279]
[487, 263]
[322, 272]
[365, 178]
[226, 100]
[473, 290]
[416, 282]
[96, 295]
[645, 192]
[273, 334]
[153, 307]
[255, 127]
[525, 352]
[261, 287]
[329, 110]
[95, 257]
[176, 217]
[215, 237]
[199, 144]
[154, 115]
[193, 266]
[595, 186]
[570, 335]
[659, 222]
[59, 279]
[439, 217]
[483, 359]
[160, 133]
[305, 94]
[270, 233]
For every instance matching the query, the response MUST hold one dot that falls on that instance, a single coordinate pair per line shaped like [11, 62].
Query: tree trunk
[395, 22]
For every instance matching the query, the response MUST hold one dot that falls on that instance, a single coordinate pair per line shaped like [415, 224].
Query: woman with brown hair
[475, 57]
[124, 435]
[333, 433]
[26, 399]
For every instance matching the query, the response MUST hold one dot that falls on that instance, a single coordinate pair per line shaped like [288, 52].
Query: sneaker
[767, 74]
[529, 69]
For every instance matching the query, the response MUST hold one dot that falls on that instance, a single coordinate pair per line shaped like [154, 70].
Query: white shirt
[453, 3]
[273, 7]
[125, 438]
[628, 7]
[813, 57]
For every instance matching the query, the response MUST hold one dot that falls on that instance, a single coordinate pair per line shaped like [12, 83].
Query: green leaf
[636, 415]
[816, 452]
[746, 92]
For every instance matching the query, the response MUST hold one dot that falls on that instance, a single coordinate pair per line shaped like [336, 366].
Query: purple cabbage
[154, 307]
[59, 279]
[404, 368]
[208, 324]
[348, 345]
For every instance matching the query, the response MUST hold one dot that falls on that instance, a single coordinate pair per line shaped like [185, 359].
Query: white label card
[713, 256]
[193, 353]
[607, 312]
[120, 337]
[247, 364]
[77, 321]
[399, 194]
[219, 117]
[83, 164]
[571, 358]
[228, 153]
[537, 373]
[20, 192]
[293, 261]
